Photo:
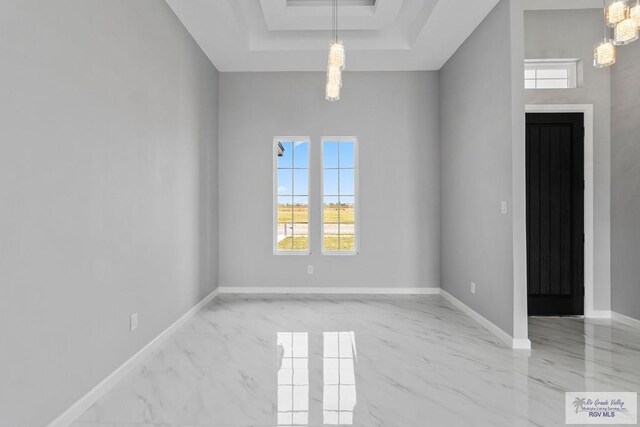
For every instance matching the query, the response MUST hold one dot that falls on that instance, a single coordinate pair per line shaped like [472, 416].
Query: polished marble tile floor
[402, 361]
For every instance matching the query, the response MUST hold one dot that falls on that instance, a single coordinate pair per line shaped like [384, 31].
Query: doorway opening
[555, 193]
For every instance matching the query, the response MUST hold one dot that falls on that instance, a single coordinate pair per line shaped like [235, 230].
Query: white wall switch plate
[134, 321]
[310, 269]
[473, 288]
[504, 207]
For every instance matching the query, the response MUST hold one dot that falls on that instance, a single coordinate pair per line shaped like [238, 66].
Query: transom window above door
[551, 74]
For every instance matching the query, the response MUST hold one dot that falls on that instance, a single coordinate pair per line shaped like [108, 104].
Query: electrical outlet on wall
[310, 269]
[504, 207]
[473, 288]
[133, 322]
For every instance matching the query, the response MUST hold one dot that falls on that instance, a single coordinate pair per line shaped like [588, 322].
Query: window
[291, 193]
[339, 193]
[551, 74]
[293, 379]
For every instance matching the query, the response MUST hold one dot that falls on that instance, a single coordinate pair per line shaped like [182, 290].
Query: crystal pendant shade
[334, 76]
[337, 55]
[336, 60]
[604, 54]
[334, 83]
[333, 92]
[634, 13]
[616, 12]
[626, 32]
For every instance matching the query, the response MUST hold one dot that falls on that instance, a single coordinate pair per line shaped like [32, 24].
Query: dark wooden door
[555, 213]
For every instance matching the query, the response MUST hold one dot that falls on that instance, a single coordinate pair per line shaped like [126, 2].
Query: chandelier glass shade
[332, 92]
[334, 82]
[336, 60]
[626, 32]
[604, 54]
[336, 54]
[334, 76]
[616, 12]
[634, 13]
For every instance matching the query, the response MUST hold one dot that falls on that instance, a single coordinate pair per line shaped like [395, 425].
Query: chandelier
[624, 18]
[336, 61]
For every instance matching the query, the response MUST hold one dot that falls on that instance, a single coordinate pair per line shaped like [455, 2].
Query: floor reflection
[338, 372]
[293, 379]
[419, 361]
[339, 394]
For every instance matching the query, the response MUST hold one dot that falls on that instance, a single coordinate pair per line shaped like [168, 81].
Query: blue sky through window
[339, 161]
[296, 154]
[293, 173]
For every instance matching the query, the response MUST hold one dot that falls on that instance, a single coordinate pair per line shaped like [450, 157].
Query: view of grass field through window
[339, 193]
[338, 198]
[293, 196]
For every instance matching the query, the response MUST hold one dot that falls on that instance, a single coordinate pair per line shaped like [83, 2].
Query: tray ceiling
[293, 35]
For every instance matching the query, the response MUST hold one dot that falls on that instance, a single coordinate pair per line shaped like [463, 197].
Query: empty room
[398, 213]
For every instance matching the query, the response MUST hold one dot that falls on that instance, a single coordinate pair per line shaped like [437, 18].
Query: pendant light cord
[336, 20]
[604, 19]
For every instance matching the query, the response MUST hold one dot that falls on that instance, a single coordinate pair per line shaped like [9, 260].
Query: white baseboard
[598, 314]
[630, 321]
[331, 290]
[514, 343]
[520, 344]
[85, 402]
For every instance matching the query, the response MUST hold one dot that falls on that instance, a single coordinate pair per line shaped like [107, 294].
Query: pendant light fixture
[625, 32]
[336, 61]
[616, 12]
[625, 21]
[604, 54]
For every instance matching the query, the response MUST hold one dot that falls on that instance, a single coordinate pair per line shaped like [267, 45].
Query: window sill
[340, 253]
[292, 253]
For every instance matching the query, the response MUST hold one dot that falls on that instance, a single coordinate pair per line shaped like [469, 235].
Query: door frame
[587, 110]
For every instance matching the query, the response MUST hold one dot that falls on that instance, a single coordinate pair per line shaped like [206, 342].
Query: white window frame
[569, 64]
[356, 196]
[274, 155]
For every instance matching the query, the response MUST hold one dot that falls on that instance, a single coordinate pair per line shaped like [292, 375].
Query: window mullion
[339, 188]
[293, 199]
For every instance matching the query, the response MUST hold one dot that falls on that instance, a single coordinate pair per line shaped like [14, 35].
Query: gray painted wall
[107, 188]
[482, 117]
[572, 34]
[395, 117]
[625, 182]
